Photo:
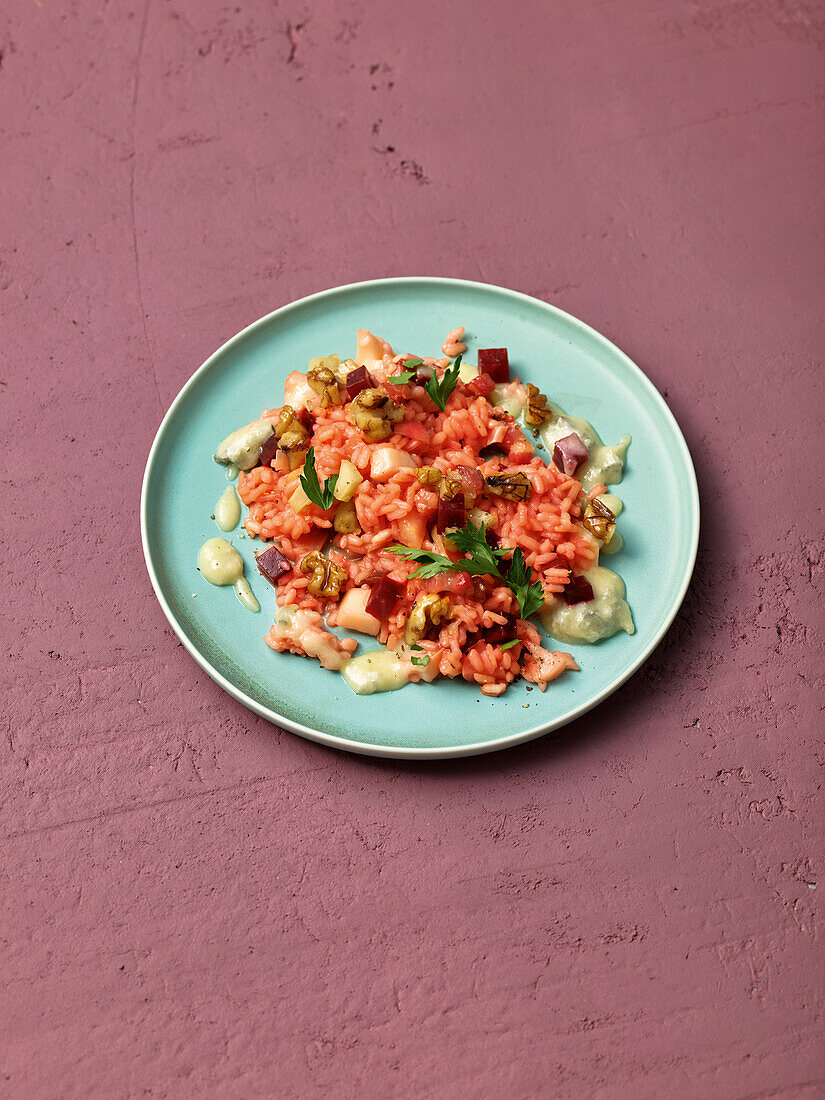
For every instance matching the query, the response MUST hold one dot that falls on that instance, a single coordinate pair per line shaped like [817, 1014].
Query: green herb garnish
[312, 487]
[510, 644]
[483, 560]
[530, 595]
[425, 660]
[473, 541]
[432, 563]
[440, 389]
[404, 376]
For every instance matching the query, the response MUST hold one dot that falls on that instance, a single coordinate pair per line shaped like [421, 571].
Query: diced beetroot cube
[451, 513]
[472, 480]
[482, 384]
[383, 597]
[269, 448]
[570, 453]
[460, 583]
[578, 590]
[501, 632]
[358, 380]
[272, 564]
[494, 361]
[492, 538]
[492, 450]
[306, 418]
[423, 374]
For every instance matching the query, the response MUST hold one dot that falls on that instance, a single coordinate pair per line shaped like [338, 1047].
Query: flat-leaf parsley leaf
[312, 487]
[440, 389]
[482, 560]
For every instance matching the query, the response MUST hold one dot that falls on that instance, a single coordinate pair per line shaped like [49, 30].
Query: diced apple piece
[370, 347]
[352, 612]
[386, 460]
[412, 530]
[467, 372]
[348, 481]
[298, 393]
[299, 500]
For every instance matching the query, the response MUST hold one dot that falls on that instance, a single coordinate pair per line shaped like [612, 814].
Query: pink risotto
[402, 500]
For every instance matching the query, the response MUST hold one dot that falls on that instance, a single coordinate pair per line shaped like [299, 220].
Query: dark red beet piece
[272, 564]
[579, 590]
[493, 450]
[472, 480]
[458, 582]
[492, 538]
[482, 385]
[383, 597]
[496, 634]
[306, 418]
[451, 513]
[269, 448]
[358, 380]
[494, 361]
[570, 453]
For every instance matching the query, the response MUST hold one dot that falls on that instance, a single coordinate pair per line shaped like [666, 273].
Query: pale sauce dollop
[380, 670]
[228, 509]
[605, 465]
[603, 616]
[221, 564]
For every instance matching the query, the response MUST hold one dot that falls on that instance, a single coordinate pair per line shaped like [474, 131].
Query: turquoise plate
[578, 368]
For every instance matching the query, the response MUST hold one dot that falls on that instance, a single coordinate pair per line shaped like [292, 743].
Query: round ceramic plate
[579, 369]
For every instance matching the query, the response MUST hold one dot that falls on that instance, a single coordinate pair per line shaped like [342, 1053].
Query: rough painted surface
[196, 904]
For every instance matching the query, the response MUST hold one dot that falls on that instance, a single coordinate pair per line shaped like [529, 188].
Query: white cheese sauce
[241, 447]
[605, 465]
[221, 564]
[603, 616]
[380, 670]
[228, 509]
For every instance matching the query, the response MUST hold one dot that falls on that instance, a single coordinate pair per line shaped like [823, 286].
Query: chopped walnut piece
[428, 610]
[451, 486]
[429, 476]
[599, 520]
[375, 414]
[536, 412]
[326, 578]
[510, 486]
[325, 383]
[293, 437]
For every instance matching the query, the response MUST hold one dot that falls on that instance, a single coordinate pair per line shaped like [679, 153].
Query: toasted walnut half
[510, 486]
[293, 437]
[326, 578]
[345, 520]
[428, 610]
[599, 520]
[325, 383]
[536, 412]
[375, 414]
[429, 476]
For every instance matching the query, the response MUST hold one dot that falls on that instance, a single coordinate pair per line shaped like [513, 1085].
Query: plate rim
[392, 751]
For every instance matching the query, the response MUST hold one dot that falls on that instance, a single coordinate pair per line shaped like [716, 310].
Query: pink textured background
[196, 904]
